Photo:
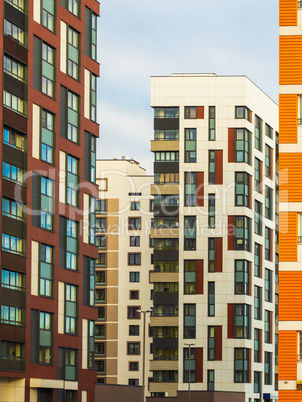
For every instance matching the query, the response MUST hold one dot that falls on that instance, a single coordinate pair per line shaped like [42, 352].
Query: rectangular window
[47, 136]
[134, 206]
[133, 348]
[166, 178]
[165, 266]
[71, 364]
[257, 383]
[257, 340]
[211, 299]
[268, 203]
[47, 195]
[14, 139]
[268, 131]
[166, 113]
[242, 112]
[242, 233]
[212, 254]
[134, 258]
[93, 97]
[13, 351]
[190, 144]
[12, 315]
[13, 209]
[90, 33]
[166, 135]
[211, 343]
[268, 368]
[48, 14]
[166, 156]
[189, 364]
[133, 366]
[91, 345]
[190, 112]
[242, 277]
[258, 133]
[134, 241]
[268, 161]
[133, 330]
[258, 303]
[189, 276]
[190, 233]
[189, 321]
[241, 365]
[73, 53]
[166, 244]
[91, 280]
[268, 294]
[267, 326]
[242, 321]
[73, 116]
[90, 159]
[48, 69]
[134, 276]
[45, 338]
[71, 244]
[212, 167]
[13, 173]
[101, 206]
[101, 225]
[212, 123]
[242, 189]
[243, 145]
[14, 32]
[257, 175]
[190, 189]
[12, 244]
[71, 309]
[14, 68]
[211, 214]
[12, 280]
[72, 181]
[46, 271]
[258, 218]
[134, 223]
[268, 245]
[257, 260]
[73, 6]
[211, 380]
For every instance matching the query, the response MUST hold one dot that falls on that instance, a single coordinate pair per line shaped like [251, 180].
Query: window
[101, 224]
[99, 331]
[71, 363]
[211, 380]
[166, 244]
[190, 277]
[212, 167]
[90, 159]
[257, 383]
[18, 4]
[12, 280]
[47, 194]
[90, 33]
[14, 68]
[258, 176]
[12, 351]
[189, 321]
[242, 321]
[133, 366]
[73, 53]
[134, 241]
[212, 254]
[101, 206]
[133, 348]
[212, 128]
[134, 224]
[166, 156]
[242, 145]
[189, 364]
[166, 135]
[257, 347]
[12, 315]
[242, 233]
[71, 307]
[134, 206]
[13, 209]
[99, 349]
[211, 343]
[166, 113]
[268, 203]
[241, 365]
[93, 97]
[190, 112]
[14, 32]
[268, 243]
[12, 244]
[166, 178]
[48, 14]
[72, 180]
[134, 295]
[73, 117]
[14, 139]
[257, 260]
[100, 295]
[46, 271]
[14, 103]
[166, 266]
[133, 330]
[47, 136]
[211, 214]
[268, 294]
[190, 233]
[101, 260]
[101, 312]
[242, 277]
[268, 131]
[134, 258]
[91, 282]
[242, 112]
[190, 189]
[211, 299]
[242, 189]
[268, 368]
[267, 326]
[71, 244]
[190, 144]
[48, 68]
[45, 338]
[268, 161]
[73, 6]
[258, 218]
[101, 242]
[100, 277]
[100, 366]
[134, 276]
[258, 133]
[258, 303]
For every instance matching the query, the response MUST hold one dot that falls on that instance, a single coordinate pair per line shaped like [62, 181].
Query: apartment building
[48, 191]
[123, 290]
[290, 109]
[214, 238]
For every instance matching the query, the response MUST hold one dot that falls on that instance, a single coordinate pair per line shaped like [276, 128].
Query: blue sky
[141, 38]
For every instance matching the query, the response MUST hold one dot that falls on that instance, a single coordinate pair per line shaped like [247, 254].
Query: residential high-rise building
[123, 290]
[290, 160]
[214, 238]
[48, 191]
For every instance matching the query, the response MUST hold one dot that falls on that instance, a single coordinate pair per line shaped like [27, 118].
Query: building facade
[48, 191]
[214, 298]
[123, 290]
[290, 109]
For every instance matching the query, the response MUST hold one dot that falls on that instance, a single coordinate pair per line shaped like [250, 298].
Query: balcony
[163, 365]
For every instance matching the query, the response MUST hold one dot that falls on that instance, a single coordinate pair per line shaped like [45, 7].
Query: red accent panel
[200, 189]
[218, 250]
[200, 112]
[261, 269]
[199, 277]
[261, 177]
[231, 232]
[260, 345]
[199, 365]
[251, 117]
[231, 323]
[251, 190]
[250, 279]
[219, 167]
[231, 145]
[271, 326]
[218, 342]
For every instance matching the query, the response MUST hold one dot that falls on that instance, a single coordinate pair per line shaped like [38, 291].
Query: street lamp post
[189, 345]
[144, 346]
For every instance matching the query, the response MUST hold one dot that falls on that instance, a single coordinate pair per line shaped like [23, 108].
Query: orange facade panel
[290, 60]
[288, 118]
[288, 352]
[288, 232]
[290, 296]
[288, 12]
[290, 175]
[289, 396]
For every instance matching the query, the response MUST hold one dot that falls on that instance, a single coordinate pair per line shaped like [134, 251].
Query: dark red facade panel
[231, 232]
[218, 342]
[231, 322]
[231, 145]
[218, 249]
[200, 189]
[199, 277]
[219, 167]
[199, 365]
